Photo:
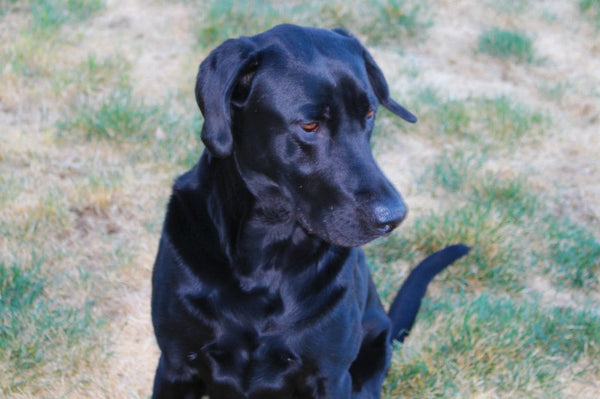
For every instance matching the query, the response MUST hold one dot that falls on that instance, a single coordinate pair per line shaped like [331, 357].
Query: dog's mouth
[346, 229]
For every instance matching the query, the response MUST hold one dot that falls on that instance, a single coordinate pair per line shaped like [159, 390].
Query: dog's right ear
[382, 91]
[378, 82]
[218, 76]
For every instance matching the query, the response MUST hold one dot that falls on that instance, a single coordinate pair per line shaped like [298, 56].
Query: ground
[85, 199]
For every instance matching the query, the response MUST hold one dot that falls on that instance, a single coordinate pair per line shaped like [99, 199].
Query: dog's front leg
[175, 388]
[370, 366]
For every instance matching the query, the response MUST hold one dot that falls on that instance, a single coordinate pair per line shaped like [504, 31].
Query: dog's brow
[356, 98]
[316, 111]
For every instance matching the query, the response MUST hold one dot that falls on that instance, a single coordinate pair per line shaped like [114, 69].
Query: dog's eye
[370, 114]
[310, 127]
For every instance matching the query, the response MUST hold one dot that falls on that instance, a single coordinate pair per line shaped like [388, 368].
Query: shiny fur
[259, 287]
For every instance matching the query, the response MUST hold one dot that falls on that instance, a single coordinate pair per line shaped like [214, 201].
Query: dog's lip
[344, 240]
[385, 230]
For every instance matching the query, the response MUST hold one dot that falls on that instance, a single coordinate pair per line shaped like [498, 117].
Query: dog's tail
[408, 300]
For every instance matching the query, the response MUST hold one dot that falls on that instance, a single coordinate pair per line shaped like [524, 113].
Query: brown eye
[310, 127]
[370, 114]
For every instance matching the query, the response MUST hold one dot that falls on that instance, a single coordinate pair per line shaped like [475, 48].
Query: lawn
[97, 117]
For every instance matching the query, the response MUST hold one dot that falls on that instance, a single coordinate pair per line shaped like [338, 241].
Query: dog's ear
[382, 91]
[379, 83]
[218, 78]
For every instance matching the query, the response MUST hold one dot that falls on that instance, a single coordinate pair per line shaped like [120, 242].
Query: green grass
[460, 172]
[555, 91]
[508, 121]
[39, 334]
[591, 7]
[476, 225]
[6, 6]
[488, 211]
[88, 193]
[572, 256]
[453, 169]
[484, 331]
[451, 117]
[47, 215]
[387, 21]
[49, 15]
[93, 75]
[26, 58]
[180, 143]
[506, 44]
[231, 18]
[510, 7]
[497, 344]
[488, 122]
[512, 198]
[119, 117]
[503, 219]
[36, 51]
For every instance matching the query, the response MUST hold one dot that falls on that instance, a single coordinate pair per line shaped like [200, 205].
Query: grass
[495, 345]
[506, 44]
[93, 75]
[6, 6]
[453, 169]
[119, 117]
[591, 7]
[510, 7]
[40, 338]
[27, 58]
[504, 122]
[572, 256]
[511, 197]
[518, 346]
[508, 121]
[556, 91]
[474, 224]
[386, 21]
[28, 223]
[87, 160]
[49, 15]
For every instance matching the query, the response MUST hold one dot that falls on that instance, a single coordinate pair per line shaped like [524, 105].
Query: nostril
[387, 218]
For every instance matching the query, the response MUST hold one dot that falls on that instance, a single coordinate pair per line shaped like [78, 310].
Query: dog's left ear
[381, 89]
[218, 78]
[379, 83]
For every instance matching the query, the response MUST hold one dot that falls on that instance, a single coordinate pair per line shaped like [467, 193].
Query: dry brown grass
[91, 208]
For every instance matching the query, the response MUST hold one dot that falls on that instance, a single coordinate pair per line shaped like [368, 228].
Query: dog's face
[297, 113]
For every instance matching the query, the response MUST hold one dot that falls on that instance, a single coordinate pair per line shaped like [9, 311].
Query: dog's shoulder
[181, 213]
[188, 227]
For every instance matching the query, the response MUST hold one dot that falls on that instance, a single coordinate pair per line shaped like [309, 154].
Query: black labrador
[259, 289]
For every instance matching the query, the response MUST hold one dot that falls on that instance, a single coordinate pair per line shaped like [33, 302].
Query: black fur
[259, 287]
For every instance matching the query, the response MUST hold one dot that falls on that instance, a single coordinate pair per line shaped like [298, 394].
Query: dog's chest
[284, 334]
[314, 315]
[286, 304]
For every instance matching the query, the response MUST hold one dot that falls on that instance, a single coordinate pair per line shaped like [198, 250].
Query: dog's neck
[258, 233]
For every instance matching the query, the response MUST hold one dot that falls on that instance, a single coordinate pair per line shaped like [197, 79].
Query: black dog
[259, 290]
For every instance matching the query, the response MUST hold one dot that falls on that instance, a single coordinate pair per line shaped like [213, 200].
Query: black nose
[387, 217]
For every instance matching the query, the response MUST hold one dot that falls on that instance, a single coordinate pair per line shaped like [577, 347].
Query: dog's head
[295, 108]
